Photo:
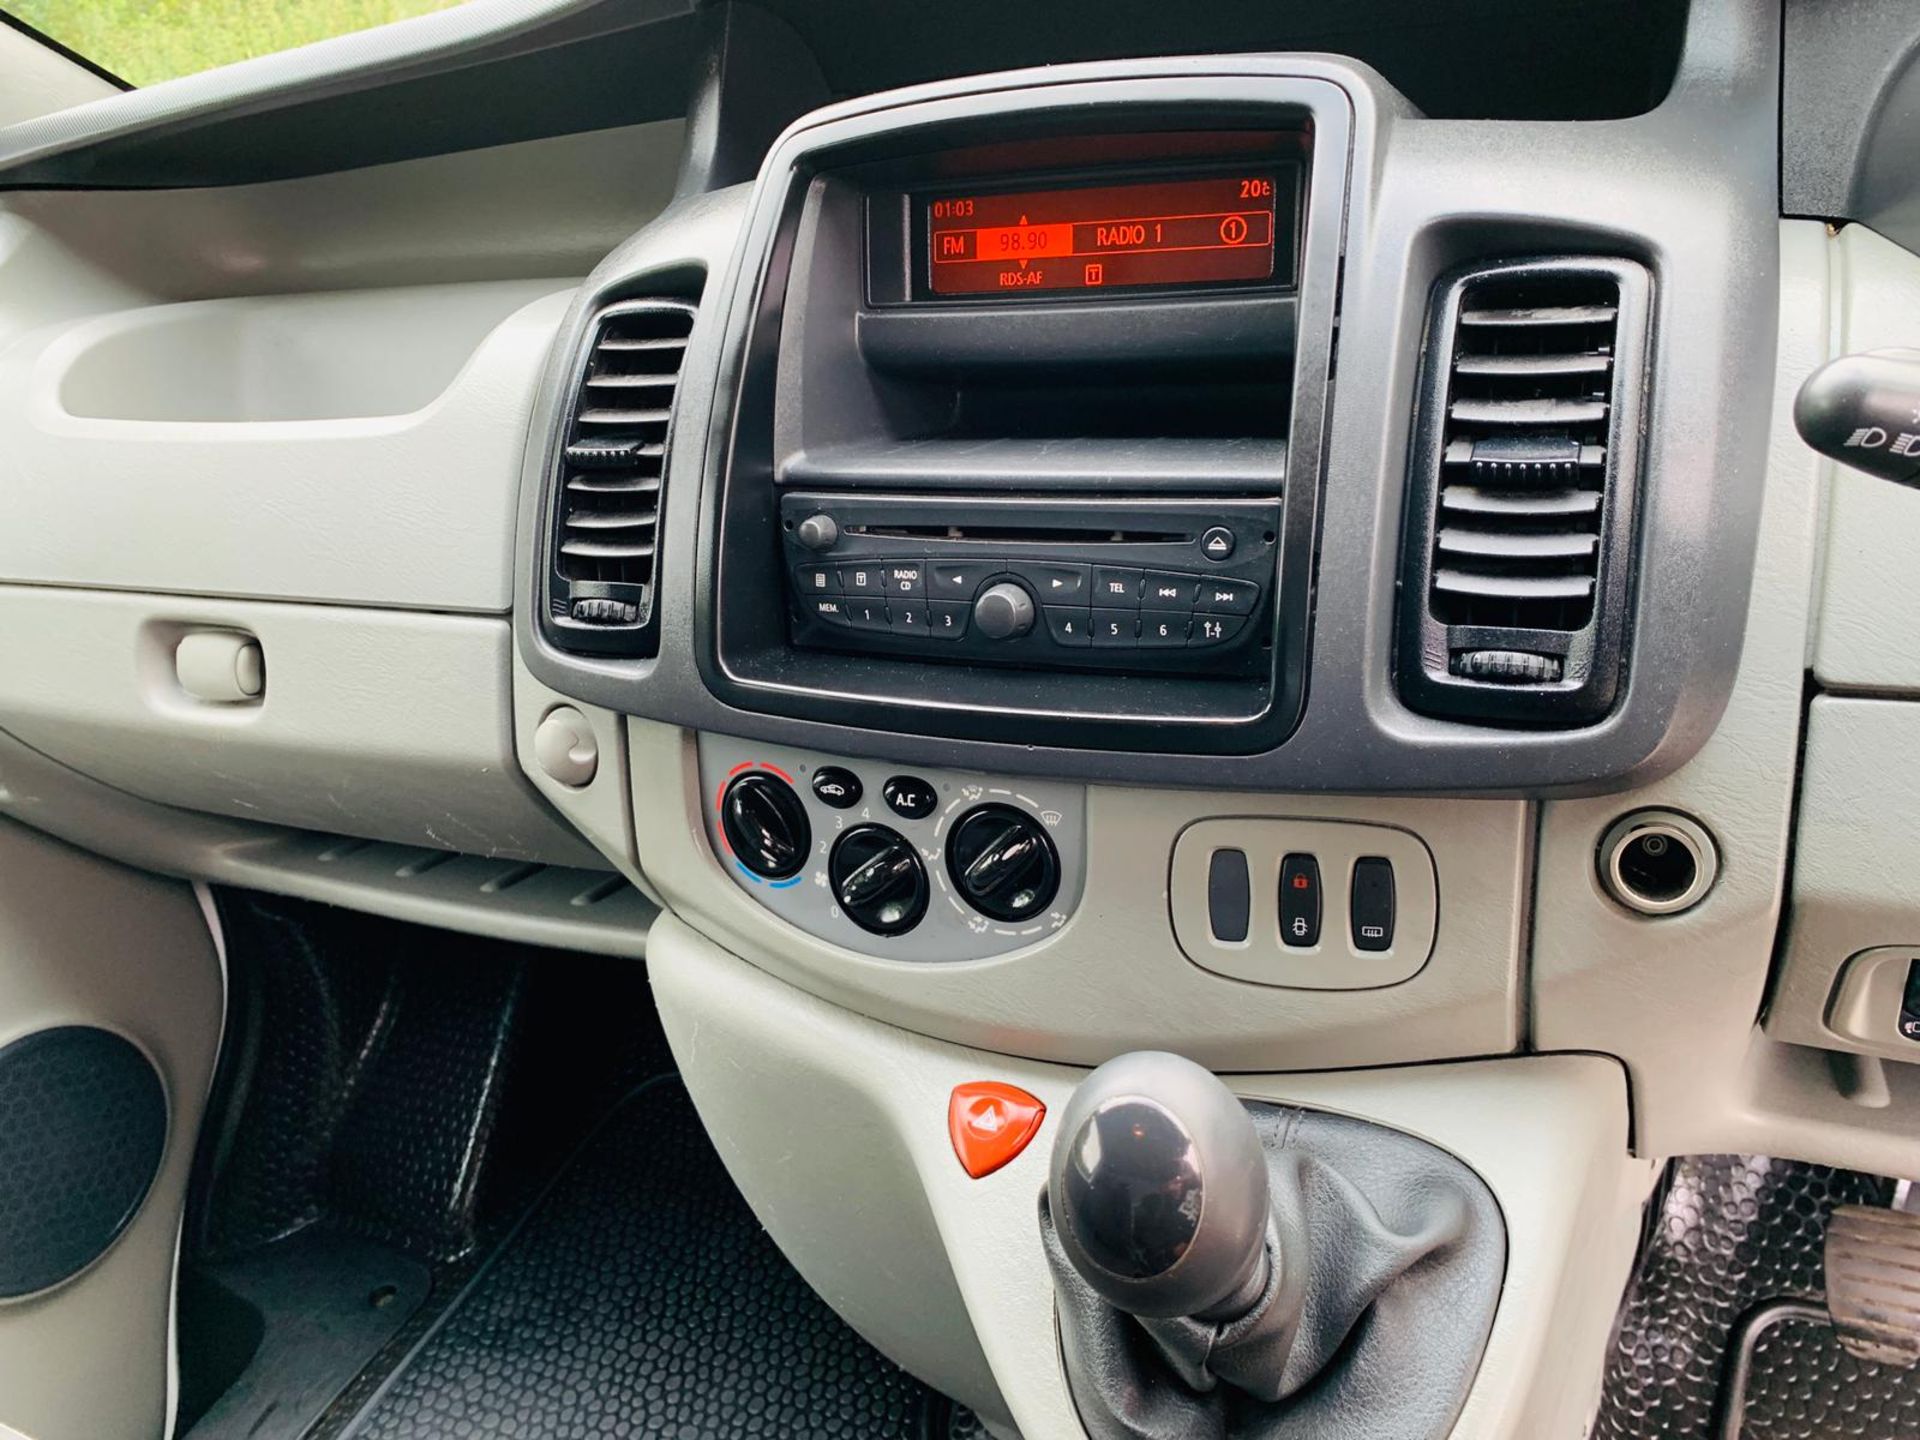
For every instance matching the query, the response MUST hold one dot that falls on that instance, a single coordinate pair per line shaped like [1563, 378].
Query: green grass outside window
[146, 41]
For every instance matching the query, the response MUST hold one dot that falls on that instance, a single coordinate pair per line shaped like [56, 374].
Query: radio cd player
[1147, 585]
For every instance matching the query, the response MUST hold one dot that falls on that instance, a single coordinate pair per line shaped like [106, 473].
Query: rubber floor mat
[1794, 1381]
[641, 1298]
[1732, 1232]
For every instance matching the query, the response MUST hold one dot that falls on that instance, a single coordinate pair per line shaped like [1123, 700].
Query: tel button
[991, 1123]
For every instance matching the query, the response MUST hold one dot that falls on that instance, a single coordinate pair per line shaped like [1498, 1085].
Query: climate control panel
[906, 863]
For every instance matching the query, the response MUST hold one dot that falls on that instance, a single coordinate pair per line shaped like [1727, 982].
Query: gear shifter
[1162, 1189]
[1233, 1272]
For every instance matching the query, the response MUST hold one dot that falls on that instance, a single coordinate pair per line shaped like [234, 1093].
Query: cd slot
[1024, 534]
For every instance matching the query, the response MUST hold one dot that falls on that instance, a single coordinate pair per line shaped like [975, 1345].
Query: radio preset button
[1165, 591]
[1115, 587]
[828, 608]
[907, 617]
[1162, 630]
[816, 579]
[1053, 584]
[1215, 629]
[1229, 597]
[904, 577]
[866, 614]
[1069, 624]
[1116, 628]
[947, 619]
[958, 579]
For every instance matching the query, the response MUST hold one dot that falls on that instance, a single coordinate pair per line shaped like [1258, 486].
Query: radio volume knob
[1003, 611]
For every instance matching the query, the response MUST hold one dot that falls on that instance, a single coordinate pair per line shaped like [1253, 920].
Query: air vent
[607, 504]
[1521, 499]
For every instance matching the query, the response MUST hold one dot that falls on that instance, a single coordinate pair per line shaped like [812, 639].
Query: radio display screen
[1221, 230]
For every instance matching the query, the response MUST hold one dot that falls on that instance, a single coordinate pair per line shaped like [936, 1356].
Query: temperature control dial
[1003, 611]
[1003, 863]
[878, 879]
[766, 824]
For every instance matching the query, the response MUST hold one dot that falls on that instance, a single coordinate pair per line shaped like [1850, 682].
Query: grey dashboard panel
[1850, 114]
[1687, 189]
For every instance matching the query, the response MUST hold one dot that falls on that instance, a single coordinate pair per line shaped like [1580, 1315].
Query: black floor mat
[1733, 1233]
[641, 1298]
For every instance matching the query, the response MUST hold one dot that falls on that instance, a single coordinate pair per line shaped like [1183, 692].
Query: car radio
[1143, 584]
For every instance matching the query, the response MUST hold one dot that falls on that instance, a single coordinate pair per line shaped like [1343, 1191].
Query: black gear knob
[1158, 1188]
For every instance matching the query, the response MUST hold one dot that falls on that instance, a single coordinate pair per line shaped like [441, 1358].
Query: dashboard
[1279, 537]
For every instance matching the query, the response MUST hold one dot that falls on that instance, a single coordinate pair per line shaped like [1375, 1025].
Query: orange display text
[1174, 232]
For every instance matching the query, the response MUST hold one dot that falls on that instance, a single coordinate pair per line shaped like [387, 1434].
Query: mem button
[1299, 902]
[830, 609]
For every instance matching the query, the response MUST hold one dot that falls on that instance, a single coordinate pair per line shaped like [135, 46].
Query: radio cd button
[958, 579]
[862, 579]
[1229, 597]
[947, 619]
[1215, 629]
[866, 614]
[1069, 624]
[1164, 591]
[1053, 584]
[1115, 587]
[1116, 627]
[904, 577]
[1162, 629]
[816, 579]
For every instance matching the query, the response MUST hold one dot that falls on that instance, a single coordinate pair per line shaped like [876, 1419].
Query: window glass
[145, 41]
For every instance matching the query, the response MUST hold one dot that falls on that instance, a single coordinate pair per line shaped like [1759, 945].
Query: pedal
[1873, 1283]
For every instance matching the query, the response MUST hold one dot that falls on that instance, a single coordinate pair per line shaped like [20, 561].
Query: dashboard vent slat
[607, 494]
[1522, 508]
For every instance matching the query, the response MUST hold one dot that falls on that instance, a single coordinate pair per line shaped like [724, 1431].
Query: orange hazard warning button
[990, 1123]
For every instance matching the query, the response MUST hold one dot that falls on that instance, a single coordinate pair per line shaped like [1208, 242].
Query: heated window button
[1229, 597]
[830, 609]
[1164, 591]
[1229, 896]
[1116, 627]
[866, 614]
[816, 579]
[947, 619]
[1115, 587]
[1215, 629]
[1299, 902]
[1372, 903]
[1162, 629]
[1054, 584]
[1069, 625]
[907, 617]
[904, 577]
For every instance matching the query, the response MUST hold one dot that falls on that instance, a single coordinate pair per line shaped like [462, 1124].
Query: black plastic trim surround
[1688, 190]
